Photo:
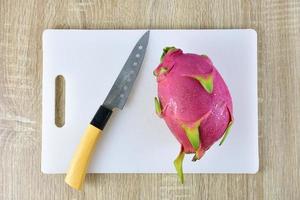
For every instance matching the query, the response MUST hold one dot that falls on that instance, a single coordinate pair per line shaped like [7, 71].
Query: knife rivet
[137, 55]
[135, 64]
[122, 95]
[140, 47]
[125, 87]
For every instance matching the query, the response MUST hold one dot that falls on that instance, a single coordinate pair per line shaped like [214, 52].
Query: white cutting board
[135, 140]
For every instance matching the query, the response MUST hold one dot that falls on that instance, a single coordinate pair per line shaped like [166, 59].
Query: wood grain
[278, 26]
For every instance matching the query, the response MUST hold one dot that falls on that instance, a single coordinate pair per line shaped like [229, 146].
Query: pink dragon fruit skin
[194, 101]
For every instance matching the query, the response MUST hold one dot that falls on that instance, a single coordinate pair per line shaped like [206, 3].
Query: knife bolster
[101, 117]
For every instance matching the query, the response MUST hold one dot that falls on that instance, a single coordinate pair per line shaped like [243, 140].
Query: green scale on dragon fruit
[194, 101]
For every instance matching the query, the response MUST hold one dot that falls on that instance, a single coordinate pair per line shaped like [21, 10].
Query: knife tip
[147, 33]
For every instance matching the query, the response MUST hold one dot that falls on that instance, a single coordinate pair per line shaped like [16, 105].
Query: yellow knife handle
[76, 174]
[80, 162]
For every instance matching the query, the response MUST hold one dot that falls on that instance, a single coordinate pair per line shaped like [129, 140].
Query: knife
[115, 99]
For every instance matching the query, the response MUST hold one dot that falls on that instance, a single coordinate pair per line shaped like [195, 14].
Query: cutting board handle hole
[60, 101]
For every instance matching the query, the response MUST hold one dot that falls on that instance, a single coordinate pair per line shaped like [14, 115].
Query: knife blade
[116, 98]
[119, 92]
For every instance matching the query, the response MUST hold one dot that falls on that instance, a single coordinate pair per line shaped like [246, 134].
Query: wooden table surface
[278, 27]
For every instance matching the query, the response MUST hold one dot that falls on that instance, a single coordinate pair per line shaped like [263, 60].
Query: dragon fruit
[194, 101]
